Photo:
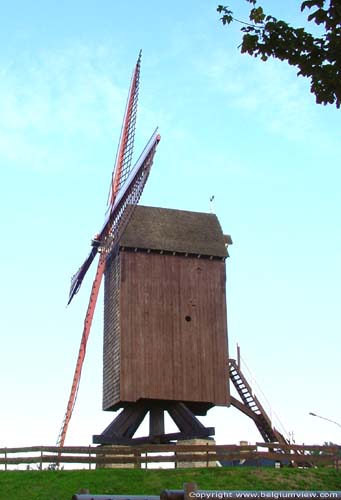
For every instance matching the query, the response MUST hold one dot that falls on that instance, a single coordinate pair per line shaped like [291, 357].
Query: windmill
[165, 343]
[126, 187]
[165, 326]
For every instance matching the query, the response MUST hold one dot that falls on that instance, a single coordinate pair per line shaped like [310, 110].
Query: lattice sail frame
[126, 189]
[109, 237]
[125, 148]
[129, 197]
[120, 173]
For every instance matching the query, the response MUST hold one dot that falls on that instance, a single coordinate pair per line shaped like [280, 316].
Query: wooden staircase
[251, 406]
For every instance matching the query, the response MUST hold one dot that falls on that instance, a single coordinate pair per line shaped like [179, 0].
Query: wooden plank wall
[111, 336]
[173, 328]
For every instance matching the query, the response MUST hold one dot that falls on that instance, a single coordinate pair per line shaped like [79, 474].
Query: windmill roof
[178, 231]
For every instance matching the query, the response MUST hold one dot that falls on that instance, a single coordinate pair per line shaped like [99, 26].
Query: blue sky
[247, 132]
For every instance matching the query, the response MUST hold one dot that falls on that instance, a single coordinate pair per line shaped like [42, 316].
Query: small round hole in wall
[188, 318]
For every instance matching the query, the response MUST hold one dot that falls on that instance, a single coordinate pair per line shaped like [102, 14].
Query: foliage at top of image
[316, 57]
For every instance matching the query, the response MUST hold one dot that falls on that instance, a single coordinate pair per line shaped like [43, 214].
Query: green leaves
[317, 58]
[227, 16]
[257, 15]
[319, 16]
[311, 3]
[249, 45]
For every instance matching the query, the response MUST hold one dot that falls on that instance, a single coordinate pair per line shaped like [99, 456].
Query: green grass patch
[61, 485]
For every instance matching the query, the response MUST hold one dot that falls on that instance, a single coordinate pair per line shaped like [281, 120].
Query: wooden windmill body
[165, 327]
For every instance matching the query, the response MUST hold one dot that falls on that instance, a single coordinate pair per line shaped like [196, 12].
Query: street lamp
[324, 418]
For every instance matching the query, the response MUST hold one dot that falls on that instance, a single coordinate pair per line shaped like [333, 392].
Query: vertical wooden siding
[112, 337]
[173, 328]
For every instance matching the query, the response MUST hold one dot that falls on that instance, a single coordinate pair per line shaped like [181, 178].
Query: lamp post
[324, 418]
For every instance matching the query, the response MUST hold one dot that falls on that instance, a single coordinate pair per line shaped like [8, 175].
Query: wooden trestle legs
[124, 426]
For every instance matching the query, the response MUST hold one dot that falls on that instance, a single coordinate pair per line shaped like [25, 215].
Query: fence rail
[137, 456]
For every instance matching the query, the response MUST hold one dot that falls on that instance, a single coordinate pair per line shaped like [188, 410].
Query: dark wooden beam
[163, 439]
[185, 420]
[124, 425]
[156, 421]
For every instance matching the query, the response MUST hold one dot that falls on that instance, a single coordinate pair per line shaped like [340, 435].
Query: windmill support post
[124, 426]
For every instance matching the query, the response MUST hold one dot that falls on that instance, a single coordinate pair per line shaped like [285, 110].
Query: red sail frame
[126, 189]
[121, 170]
[110, 234]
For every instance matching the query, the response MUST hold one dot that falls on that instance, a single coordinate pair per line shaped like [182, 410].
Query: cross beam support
[124, 426]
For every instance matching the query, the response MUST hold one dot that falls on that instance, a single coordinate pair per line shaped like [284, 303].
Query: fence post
[5, 458]
[189, 488]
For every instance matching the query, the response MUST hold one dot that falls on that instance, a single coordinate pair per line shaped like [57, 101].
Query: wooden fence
[170, 454]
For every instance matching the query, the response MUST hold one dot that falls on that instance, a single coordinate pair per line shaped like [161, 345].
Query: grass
[61, 485]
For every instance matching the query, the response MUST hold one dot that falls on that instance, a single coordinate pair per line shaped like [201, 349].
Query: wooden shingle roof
[179, 231]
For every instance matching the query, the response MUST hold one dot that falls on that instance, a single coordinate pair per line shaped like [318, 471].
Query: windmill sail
[126, 188]
[109, 237]
[126, 144]
[77, 278]
[121, 170]
[129, 194]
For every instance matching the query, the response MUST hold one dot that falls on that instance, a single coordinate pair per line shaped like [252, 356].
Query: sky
[245, 131]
